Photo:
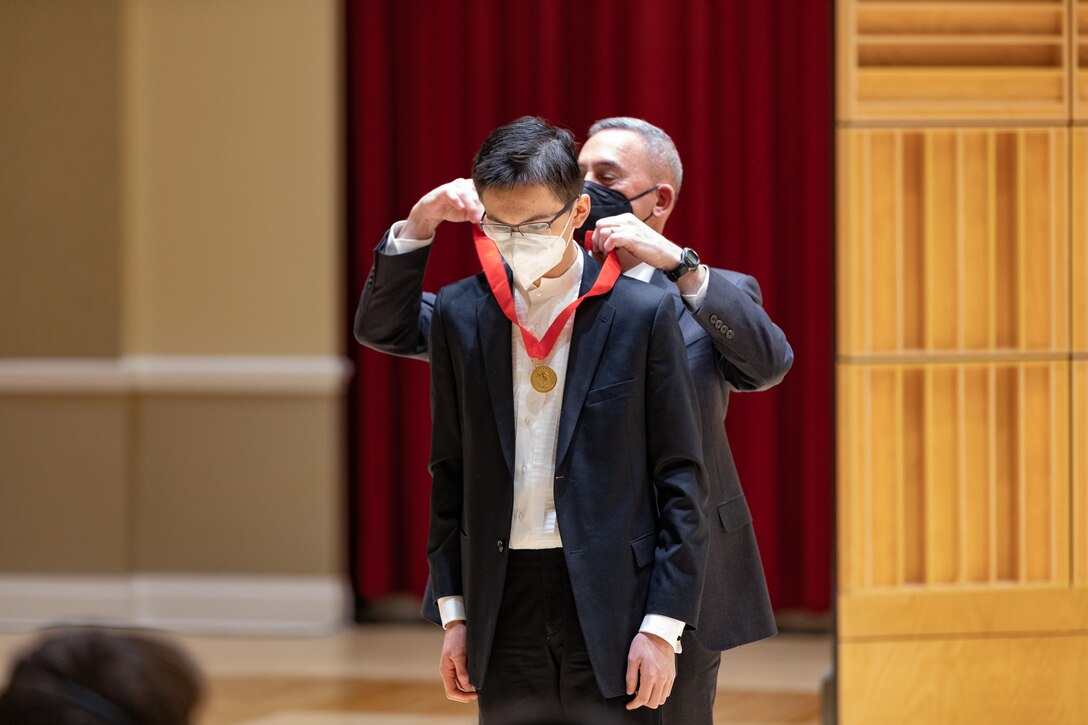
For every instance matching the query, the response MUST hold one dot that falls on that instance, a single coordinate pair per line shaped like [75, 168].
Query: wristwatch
[689, 260]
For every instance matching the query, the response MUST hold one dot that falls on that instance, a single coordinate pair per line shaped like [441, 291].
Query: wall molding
[219, 374]
[216, 604]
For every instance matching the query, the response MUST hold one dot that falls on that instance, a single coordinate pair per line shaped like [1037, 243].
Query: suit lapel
[592, 322]
[494, 331]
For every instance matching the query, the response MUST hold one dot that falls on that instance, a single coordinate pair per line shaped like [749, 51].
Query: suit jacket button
[730, 334]
[500, 547]
[714, 320]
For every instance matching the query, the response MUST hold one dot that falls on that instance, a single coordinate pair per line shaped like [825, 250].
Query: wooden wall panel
[1080, 55]
[963, 361]
[960, 478]
[962, 611]
[1080, 472]
[1079, 267]
[953, 240]
[965, 681]
[949, 59]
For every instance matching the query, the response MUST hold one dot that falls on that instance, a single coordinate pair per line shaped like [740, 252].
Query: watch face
[691, 259]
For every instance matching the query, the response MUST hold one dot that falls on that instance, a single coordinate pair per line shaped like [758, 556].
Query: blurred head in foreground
[101, 677]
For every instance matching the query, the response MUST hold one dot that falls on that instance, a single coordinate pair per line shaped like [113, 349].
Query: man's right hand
[454, 665]
[456, 201]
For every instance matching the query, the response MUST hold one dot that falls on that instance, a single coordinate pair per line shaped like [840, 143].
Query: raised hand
[455, 201]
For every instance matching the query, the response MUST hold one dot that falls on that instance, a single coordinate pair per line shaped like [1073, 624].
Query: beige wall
[60, 215]
[174, 189]
[64, 491]
[232, 177]
[239, 484]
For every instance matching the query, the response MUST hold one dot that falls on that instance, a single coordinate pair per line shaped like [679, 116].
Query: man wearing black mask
[633, 175]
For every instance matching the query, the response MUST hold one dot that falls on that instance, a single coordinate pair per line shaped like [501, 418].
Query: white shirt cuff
[695, 301]
[666, 628]
[452, 609]
[395, 245]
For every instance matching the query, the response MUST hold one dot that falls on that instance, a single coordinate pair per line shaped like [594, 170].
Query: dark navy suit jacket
[628, 482]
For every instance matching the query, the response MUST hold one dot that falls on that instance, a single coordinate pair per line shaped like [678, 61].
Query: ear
[666, 198]
[581, 210]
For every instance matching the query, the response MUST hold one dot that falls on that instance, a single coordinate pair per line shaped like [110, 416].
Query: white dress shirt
[533, 522]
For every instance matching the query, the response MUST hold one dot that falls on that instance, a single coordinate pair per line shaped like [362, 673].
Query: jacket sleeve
[447, 486]
[753, 353]
[674, 449]
[394, 313]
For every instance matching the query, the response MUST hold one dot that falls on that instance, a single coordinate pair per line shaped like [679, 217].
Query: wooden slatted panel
[1079, 271]
[963, 360]
[960, 475]
[1080, 66]
[953, 59]
[953, 241]
[1080, 472]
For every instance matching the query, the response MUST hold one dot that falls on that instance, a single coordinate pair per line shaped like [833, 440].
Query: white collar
[641, 271]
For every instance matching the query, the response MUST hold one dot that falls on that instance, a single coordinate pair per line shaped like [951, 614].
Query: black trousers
[693, 693]
[539, 671]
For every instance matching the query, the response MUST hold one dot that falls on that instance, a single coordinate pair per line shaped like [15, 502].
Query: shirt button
[528, 420]
[521, 516]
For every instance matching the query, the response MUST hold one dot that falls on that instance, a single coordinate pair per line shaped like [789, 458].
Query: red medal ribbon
[500, 287]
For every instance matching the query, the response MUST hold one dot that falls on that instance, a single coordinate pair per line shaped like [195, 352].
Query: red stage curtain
[744, 87]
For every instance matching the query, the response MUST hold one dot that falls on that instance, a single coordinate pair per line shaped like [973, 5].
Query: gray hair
[661, 148]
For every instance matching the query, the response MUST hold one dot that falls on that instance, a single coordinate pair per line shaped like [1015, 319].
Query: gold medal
[543, 379]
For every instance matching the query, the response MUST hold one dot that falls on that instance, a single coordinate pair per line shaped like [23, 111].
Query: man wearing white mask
[565, 567]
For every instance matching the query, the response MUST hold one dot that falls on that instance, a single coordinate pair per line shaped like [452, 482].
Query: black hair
[101, 677]
[527, 152]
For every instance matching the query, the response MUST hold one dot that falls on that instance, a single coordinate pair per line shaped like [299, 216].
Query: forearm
[394, 313]
[754, 352]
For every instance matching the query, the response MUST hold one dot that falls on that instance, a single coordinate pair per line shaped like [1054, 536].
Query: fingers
[632, 674]
[652, 671]
[450, 681]
[455, 201]
[616, 232]
[645, 691]
[608, 238]
[461, 668]
[653, 691]
[463, 198]
[453, 665]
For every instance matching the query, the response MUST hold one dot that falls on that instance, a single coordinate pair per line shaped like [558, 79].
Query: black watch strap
[689, 260]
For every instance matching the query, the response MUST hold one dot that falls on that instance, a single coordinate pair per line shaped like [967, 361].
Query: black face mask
[606, 202]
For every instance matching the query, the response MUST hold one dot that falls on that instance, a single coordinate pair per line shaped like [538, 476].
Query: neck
[568, 259]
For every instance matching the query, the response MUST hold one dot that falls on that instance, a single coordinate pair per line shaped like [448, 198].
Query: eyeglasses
[503, 232]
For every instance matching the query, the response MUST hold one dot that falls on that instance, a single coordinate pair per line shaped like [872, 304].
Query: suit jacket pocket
[734, 513]
[644, 547]
[608, 392]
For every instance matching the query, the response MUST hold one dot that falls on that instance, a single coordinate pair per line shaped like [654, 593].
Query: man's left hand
[651, 667]
[630, 233]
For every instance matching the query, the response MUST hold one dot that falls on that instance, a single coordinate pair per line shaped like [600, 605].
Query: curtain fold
[745, 90]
